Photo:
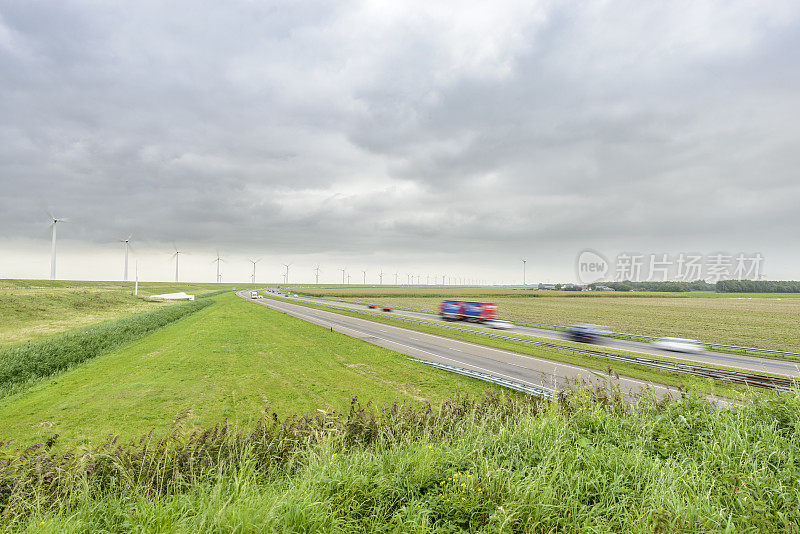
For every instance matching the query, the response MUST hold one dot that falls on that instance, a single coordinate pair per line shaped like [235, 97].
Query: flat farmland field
[758, 320]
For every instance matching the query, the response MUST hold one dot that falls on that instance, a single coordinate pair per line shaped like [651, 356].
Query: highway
[528, 370]
[734, 361]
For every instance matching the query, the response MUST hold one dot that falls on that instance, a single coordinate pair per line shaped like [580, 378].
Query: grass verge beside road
[233, 361]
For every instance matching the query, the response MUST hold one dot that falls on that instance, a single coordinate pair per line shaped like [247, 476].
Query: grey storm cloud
[408, 126]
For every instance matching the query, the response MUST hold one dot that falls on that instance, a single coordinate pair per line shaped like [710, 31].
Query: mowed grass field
[232, 361]
[757, 320]
[35, 309]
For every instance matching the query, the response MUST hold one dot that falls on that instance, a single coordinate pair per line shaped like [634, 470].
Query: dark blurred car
[386, 309]
[371, 306]
[586, 333]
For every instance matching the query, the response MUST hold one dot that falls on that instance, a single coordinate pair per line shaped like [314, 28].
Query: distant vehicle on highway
[676, 344]
[386, 309]
[586, 333]
[371, 306]
[459, 310]
[254, 294]
[499, 324]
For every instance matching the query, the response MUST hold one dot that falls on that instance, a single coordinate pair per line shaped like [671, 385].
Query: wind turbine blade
[46, 209]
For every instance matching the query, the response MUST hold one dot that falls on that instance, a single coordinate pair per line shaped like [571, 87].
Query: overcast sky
[420, 137]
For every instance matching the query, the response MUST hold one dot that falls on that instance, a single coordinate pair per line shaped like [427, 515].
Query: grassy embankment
[229, 361]
[754, 320]
[580, 464]
[33, 310]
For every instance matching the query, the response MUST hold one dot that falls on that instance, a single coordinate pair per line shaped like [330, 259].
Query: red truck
[459, 310]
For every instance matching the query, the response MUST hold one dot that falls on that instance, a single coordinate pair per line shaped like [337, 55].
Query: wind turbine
[254, 269]
[53, 224]
[380, 276]
[365, 276]
[177, 256]
[523, 273]
[217, 261]
[127, 242]
[343, 274]
[395, 278]
[316, 270]
[286, 276]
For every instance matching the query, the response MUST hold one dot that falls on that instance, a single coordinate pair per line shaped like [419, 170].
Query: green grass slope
[232, 360]
[32, 310]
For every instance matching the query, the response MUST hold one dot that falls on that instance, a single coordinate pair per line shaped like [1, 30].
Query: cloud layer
[421, 131]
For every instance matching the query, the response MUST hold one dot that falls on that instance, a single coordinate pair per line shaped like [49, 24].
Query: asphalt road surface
[528, 370]
[734, 361]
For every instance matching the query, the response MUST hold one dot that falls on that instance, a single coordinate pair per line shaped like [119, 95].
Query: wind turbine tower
[286, 274]
[380, 276]
[316, 270]
[365, 276]
[177, 256]
[253, 276]
[217, 261]
[127, 245]
[523, 273]
[343, 274]
[55, 221]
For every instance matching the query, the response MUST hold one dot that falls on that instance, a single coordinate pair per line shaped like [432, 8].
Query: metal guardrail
[620, 334]
[737, 377]
[524, 388]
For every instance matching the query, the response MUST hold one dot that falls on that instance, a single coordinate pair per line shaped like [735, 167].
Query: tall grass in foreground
[22, 365]
[587, 462]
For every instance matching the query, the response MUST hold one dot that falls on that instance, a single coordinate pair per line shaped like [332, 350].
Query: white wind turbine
[55, 220]
[253, 276]
[217, 261]
[127, 242]
[343, 274]
[380, 276]
[177, 256]
[286, 274]
[316, 270]
[363, 272]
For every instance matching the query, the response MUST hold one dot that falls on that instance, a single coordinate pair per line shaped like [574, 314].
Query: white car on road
[676, 344]
[500, 325]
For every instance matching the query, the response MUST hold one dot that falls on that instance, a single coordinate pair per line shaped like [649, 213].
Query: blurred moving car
[499, 324]
[677, 344]
[386, 309]
[371, 306]
[586, 333]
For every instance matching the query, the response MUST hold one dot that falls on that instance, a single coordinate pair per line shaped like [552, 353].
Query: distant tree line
[758, 286]
[672, 287]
